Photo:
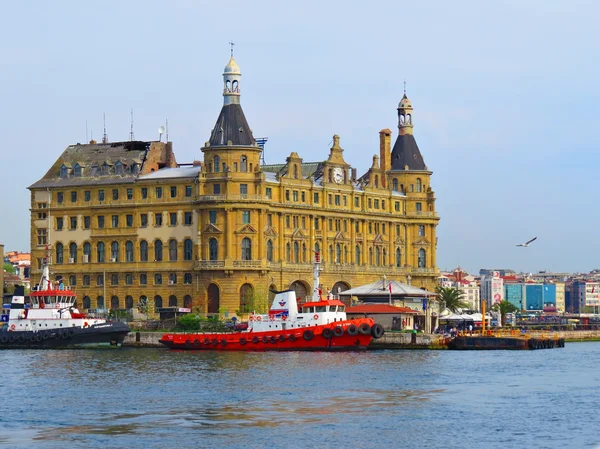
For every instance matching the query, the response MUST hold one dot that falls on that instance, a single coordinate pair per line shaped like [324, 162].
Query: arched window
[235, 86]
[243, 164]
[100, 302]
[246, 249]
[114, 302]
[172, 301]
[376, 181]
[395, 184]
[87, 251]
[129, 302]
[377, 256]
[173, 250]
[114, 252]
[288, 252]
[73, 252]
[187, 301]
[398, 257]
[408, 119]
[187, 249]
[269, 251]
[87, 302]
[63, 171]
[213, 249]
[158, 250]
[72, 281]
[60, 253]
[157, 279]
[338, 253]
[296, 252]
[295, 171]
[357, 255]
[172, 278]
[217, 162]
[158, 301]
[246, 296]
[422, 258]
[129, 251]
[100, 251]
[143, 251]
[419, 186]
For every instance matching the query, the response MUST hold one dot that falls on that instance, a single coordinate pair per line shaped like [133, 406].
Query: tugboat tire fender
[308, 335]
[38, 337]
[265, 339]
[338, 331]
[281, 338]
[292, 338]
[206, 341]
[377, 330]
[255, 339]
[327, 333]
[196, 342]
[4, 339]
[352, 330]
[364, 329]
[243, 341]
[223, 342]
[11, 339]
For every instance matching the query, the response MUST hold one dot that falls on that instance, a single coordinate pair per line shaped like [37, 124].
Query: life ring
[271, 318]
[259, 318]
[352, 330]
[308, 335]
[251, 318]
[364, 329]
[85, 324]
[327, 333]
[338, 331]
[316, 317]
[284, 317]
[38, 337]
[188, 343]
[12, 327]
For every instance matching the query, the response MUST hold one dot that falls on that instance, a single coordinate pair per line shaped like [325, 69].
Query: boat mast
[316, 282]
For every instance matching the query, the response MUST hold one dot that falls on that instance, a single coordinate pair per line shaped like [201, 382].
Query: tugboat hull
[100, 335]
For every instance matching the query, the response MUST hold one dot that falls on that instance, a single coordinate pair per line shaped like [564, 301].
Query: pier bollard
[413, 337]
[137, 337]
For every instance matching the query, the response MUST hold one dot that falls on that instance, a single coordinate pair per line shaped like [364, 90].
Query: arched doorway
[213, 298]
[114, 302]
[246, 298]
[340, 286]
[301, 289]
[187, 301]
[128, 302]
[172, 301]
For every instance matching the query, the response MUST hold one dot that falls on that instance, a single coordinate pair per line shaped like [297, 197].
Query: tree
[504, 307]
[8, 267]
[450, 298]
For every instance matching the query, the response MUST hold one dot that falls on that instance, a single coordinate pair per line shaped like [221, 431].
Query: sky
[505, 97]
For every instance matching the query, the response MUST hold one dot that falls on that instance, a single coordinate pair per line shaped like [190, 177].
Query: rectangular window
[287, 195]
[173, 219]
[115, 194]
[212, 216]
[330, 198]
[143, 279]
[188, 191]
[370, 228]
[303, 197]
[330, 224]
[101, 221]
[421, 230]
[376, 204]
[412, 188]
[129, 194]
[73, 221]
[383, 228]
[158, 191]
[369, 203]
[356, 201]
[158, 219]
[115, 221]
[144, 193]
[59, 223]
[245, 216]
[216, 189]
[344, 201]
[87, 196]
[187, 278]
[356, 226]
[303, 222]
[187, 218]
[129, 220]
[42, 236]
[397, 206]
[73, 197]
[295, 195]
[243, 189]
[295, 219]
[114, 279]
[398, 230]
[418, 205]
[337, 200]
[316, 198]
[41, 215]
[345, 225]
[59, 197]
[128, 279]
[173, 191]
[100, 280]
[316, 224]
[383, 204]
[269, 220]
[287, 221]
[269, 192]
[86, 222]
[100, 195]
[86, 280]
[143, 220]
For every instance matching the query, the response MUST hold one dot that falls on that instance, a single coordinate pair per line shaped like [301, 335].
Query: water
[154, 398]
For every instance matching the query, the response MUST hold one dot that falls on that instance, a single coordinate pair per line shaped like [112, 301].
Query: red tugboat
[319, 325]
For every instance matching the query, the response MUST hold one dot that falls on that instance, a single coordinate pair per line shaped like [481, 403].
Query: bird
[526, 244]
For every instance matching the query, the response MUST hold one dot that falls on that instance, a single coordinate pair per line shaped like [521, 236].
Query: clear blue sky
[505, 94]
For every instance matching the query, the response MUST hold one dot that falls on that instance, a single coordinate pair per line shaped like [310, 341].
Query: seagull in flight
[526, 244]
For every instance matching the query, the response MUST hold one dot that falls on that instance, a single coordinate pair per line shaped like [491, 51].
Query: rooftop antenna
[231, 43]
[167, 130]
[260, 141]
[104, 136]
[131, 136]
[404, 86]
[161, 131]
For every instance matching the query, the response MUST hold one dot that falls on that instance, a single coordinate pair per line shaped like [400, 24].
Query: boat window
[341, 309]
[321, 309]
[332, 308]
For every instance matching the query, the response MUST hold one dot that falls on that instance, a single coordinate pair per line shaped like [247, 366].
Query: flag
[424, 303]
[390, 287]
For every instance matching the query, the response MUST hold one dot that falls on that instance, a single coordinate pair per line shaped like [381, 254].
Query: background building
[2, 270]
[492, 288]
[126, 225]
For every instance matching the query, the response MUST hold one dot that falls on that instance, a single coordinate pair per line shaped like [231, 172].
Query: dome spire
[405, 114]
[231, 81]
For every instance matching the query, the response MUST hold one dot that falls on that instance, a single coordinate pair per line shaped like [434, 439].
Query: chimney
[353, 174]
[385, 156]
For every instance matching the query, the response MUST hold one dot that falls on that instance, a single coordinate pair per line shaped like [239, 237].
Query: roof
[406, 153]
[231, 126]
[172, 173]
[377, 288]
[307, 168]
[91, 157]
[379, 308]
[330, 302]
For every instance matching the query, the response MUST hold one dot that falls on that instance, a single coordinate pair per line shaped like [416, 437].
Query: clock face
[338, 175]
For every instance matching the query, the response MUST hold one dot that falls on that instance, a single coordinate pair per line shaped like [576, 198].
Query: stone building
[125, 224]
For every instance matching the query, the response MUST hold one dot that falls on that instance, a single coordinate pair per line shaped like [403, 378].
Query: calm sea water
[153, 398]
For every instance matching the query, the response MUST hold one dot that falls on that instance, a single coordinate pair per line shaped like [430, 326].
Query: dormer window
[64, 171]
[135, 168]
[77, 171]
[119, 168]
[94, 171]
[105, 170]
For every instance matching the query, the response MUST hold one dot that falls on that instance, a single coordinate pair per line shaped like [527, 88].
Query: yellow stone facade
[218, 235]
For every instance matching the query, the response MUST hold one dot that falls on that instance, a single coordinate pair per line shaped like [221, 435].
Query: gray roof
[91, 158]
[378, 288]
[308, 168]
[231, 126]
[406, 153]
[172, 173]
